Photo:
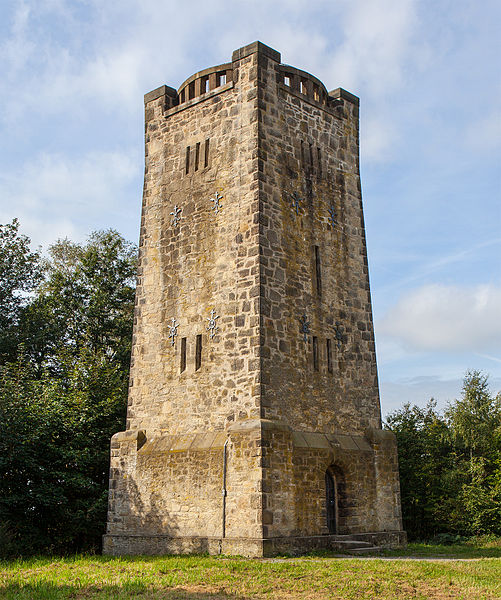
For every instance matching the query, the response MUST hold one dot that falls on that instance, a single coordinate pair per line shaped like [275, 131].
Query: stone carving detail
[173, 331]
[305, 327]
[212, 326]
[176, 215]
[339, 334]
[295, 202]
[217, 202]
[332, 217]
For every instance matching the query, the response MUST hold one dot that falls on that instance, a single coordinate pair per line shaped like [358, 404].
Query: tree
[475, 419]
[450, 466]
[424, 455]
[20, 272]
[65, 396]
[85, 302]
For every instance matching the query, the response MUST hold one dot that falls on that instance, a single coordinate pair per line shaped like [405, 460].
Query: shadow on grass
[50, 591]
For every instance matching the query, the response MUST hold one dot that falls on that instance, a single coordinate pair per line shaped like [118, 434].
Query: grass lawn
[204, 577]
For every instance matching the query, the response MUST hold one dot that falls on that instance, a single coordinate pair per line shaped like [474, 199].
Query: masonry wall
[313, 260]
[170, 488]
[198, 260]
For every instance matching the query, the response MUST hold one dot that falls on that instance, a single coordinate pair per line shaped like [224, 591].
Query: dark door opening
[331, 502]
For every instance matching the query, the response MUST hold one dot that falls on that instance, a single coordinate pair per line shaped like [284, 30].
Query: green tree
[475, 419]
[65, 396]
[450, 466]
[475, 424]
[424, 456]
[20, 272]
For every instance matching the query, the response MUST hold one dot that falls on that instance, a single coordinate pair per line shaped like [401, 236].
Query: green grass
[481, 547]
[204, 578]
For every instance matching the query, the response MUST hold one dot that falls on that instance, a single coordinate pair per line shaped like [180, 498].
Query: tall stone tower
[254, 422]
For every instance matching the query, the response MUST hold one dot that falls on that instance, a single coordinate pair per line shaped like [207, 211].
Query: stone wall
[198, 260]
[313, 262]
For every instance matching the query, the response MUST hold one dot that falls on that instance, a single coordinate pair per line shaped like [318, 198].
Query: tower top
[199, 85]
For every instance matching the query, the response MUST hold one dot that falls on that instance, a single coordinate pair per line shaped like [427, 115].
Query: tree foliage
[20, 271]
[63, 392]
[450, 465]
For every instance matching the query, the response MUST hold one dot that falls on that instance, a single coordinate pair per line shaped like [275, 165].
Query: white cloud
[446, 318]
[55, 196]
[377, 39]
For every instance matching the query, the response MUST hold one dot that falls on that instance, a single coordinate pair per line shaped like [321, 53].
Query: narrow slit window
[318, 272]
[316, 93]
[182, 366]
[181, 97]
[315, 353]
[319, 160]
[191, 91]
[206, 154]
[198, 353]
[303, 88]
[302, 152]
[287, 80]
[311, 156]
[187, 165]
[197, 155]
[204, 85]
[329, 355]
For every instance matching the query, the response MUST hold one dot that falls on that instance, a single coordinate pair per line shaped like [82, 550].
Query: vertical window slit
[187, 168]
[319, 159]
[197, 155]
[302, 152]
[318, 271]
[329, 355]
[315, 353]
[206, 154]
[311, 156]
[183, 355]
[198, 353]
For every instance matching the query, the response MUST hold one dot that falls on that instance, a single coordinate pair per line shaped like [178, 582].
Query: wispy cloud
[56, 196]
[446, 318]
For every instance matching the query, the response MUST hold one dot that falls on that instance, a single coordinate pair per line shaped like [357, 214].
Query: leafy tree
[65, 396]
[424, 455]
[85, 302]
[20, 271]
[450, 466]
[475, 419]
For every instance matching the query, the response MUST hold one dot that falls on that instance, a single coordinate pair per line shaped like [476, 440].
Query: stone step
[348, 544]
[365, 550]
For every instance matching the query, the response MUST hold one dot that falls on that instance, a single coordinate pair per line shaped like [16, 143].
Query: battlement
[204, 83]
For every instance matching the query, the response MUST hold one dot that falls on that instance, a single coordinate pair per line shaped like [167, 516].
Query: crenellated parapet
[213, 80]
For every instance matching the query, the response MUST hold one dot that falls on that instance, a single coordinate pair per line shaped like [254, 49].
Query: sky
[428, 73]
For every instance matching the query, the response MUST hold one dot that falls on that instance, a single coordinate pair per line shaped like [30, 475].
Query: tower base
[133, 545]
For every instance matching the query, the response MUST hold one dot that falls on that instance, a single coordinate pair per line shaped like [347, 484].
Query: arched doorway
[331, 502]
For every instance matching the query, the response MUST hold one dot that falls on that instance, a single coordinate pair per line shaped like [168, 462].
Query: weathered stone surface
[253, 363]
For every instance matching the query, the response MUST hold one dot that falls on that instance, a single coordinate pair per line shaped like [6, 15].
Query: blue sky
[429, 77]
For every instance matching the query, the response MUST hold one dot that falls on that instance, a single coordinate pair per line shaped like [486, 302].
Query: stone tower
[254, 422]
